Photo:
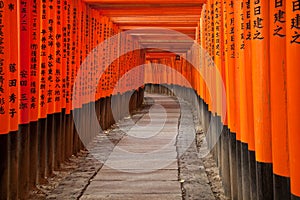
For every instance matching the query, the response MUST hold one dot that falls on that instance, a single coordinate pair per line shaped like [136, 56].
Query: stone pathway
[143, 165]
[139, 158]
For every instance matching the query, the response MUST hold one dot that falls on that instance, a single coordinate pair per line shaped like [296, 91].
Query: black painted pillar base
[264, 175]
[293, 197]
[245, 172]
[33, 154]
[239, 169]
[233, 166]
[42, 141]
[281, 187]
[4, 166]
[50, 146]
[252, 172]
[225, 137]
[23, 160]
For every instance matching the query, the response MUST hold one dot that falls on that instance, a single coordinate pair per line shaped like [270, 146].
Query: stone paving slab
[115, 175]
[133, 187]
[133, 196]
[144, 166]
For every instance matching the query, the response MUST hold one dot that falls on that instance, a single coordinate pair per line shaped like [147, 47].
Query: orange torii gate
[252, 44]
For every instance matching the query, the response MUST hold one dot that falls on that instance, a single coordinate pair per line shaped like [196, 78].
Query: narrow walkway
[138, 158]
[143, 165]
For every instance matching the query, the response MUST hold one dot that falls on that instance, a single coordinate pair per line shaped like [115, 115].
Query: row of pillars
[30, 155]
[243, 177]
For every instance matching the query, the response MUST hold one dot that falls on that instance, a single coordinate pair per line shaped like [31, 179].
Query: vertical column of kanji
[58, 60]
[5, 60]
[34, 59]
[13, 66]
[74, 23]
[43, 61]
[100, 54]
[24, 62]
[111, 68]
[108, 56]
[208, 57]
[261, 97]
[232, 99]
[280, 152]
[231, 61]
[249, 97]
[64, 53]
[51, 55]
[23, 173]
[217, 54]
[105, 81]
[293, 85]
[5, 53]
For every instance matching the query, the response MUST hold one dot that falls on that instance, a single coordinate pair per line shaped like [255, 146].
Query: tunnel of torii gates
[237, 61]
